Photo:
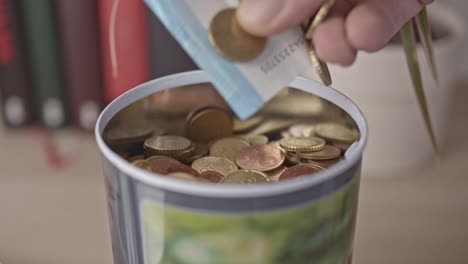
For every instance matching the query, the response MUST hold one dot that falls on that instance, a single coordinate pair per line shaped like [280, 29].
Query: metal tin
[163, 220]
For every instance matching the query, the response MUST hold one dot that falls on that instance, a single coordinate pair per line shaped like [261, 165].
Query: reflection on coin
[143, 164]
[166, 165]
[127, 133]
[256, 139]
[135, 158]
[276, 173]
[220, 165]
[245, 177]
[343, 146]
[319, 17]
[209, 124]
[302, 130]
[321, 163]
[166, 145]
[243, 125]
[302, 144]
[199, 151]
[336, 132]
[161, 164]
[329, 152]
[230, 40]
[260, 158]
[299, 170]
[212, 176]
[127, 138]
[320, 66]
[183, 176]
[228, 147]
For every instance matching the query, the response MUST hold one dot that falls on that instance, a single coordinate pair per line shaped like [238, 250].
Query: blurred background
[62, 61]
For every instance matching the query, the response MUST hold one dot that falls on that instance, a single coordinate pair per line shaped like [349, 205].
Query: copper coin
[183, 168]
[162, 165]
[260, 158]
[212, 176]
[299, 170]
[329, 152]
[209, 124]
[165, 165]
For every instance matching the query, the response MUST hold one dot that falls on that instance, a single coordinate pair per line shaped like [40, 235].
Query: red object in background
[79, 39]
[131, 45]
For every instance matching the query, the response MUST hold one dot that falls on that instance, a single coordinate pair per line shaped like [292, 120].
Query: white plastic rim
[352, 157]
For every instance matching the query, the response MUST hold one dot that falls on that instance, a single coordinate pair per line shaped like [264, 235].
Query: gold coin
[166, 145]
[319, 17]
[231, 41]
[329, 152]
[183, 176]
[143, 164]
[302, 144]
[336, 132]
[245, 177]
[320, 66]
[256, 139]
[199, 151]
[220, 165]
[209, 124]
[228, 147]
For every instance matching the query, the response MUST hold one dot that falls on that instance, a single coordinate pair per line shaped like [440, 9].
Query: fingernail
[255, 12]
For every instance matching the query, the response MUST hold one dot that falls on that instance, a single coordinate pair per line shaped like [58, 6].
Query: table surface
[50, 216]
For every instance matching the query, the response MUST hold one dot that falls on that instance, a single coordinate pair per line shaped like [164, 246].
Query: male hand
[351, 26]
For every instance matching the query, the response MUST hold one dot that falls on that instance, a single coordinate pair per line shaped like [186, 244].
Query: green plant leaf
[425, 35]
[409, 44]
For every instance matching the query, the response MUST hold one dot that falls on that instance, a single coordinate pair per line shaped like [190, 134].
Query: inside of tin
[167, 112]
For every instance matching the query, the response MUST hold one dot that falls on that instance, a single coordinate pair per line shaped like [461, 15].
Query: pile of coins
[218, 148]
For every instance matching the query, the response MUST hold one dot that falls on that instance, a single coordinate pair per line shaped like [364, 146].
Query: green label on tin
[319, 232]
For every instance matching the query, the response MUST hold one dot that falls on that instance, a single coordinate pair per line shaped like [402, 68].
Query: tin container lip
[353, 155]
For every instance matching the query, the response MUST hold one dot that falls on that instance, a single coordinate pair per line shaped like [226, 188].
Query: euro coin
[300, 170]
[220, 165]
[260, 158]
[245, 177]
[143, 164]
[166, 145]
[302, 144]
[209, 124]
[329, 152]
[212, 176]
[231, 41]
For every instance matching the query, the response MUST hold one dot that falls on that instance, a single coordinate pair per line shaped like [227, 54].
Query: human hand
[352, 25]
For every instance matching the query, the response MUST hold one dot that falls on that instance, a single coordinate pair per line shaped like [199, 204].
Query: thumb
[266, 17]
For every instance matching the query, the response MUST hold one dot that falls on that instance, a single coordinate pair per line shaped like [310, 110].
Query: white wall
[461, 7]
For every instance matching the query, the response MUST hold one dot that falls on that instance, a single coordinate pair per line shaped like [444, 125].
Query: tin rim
[353, 155]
